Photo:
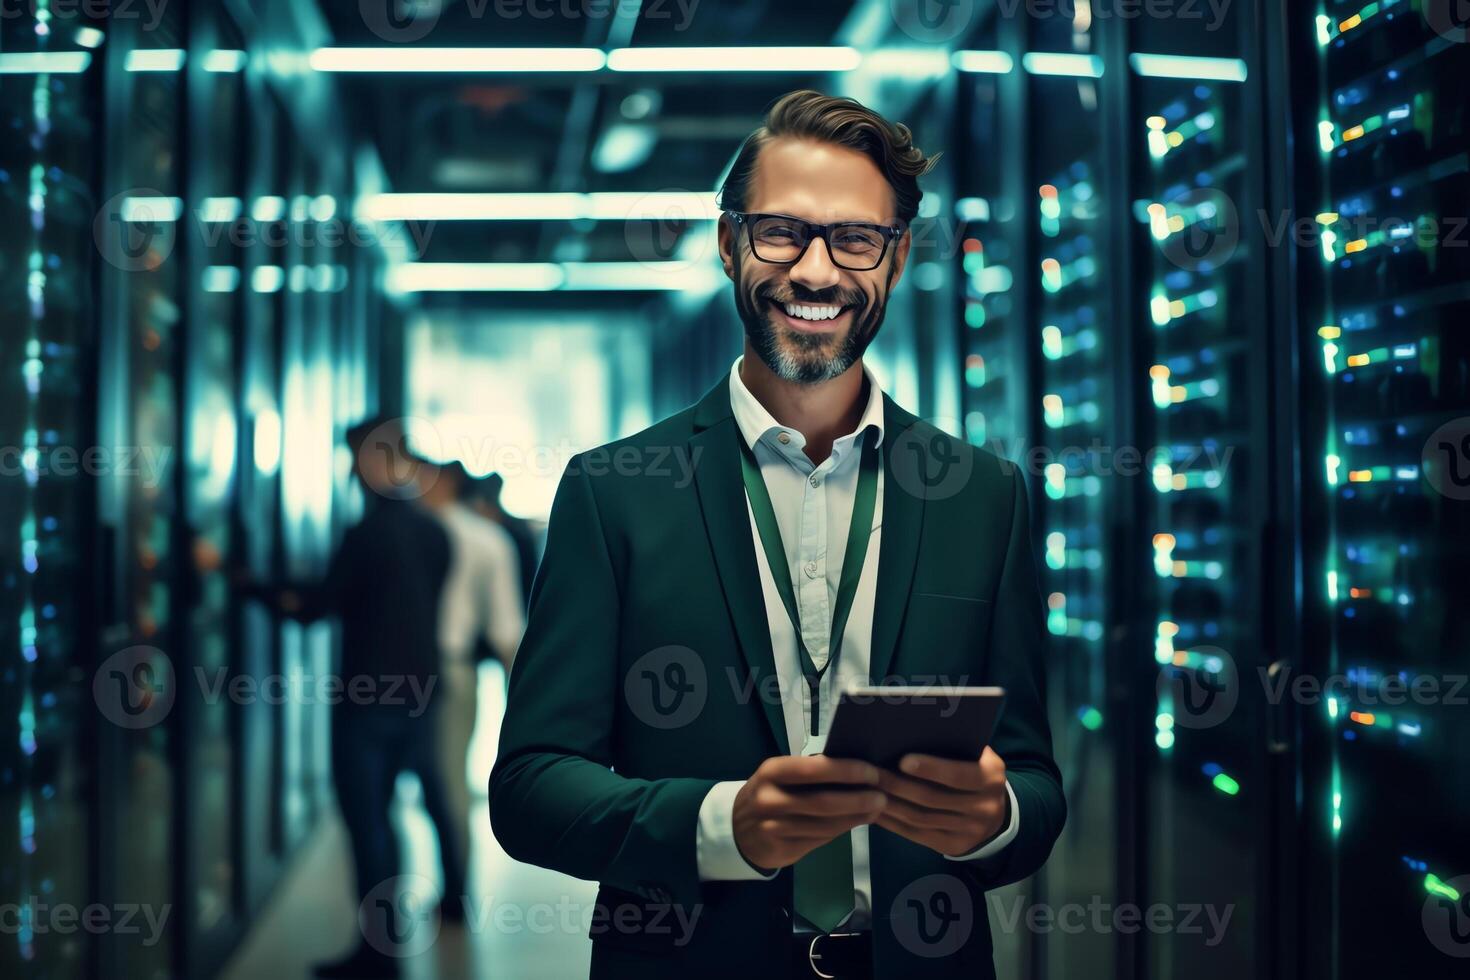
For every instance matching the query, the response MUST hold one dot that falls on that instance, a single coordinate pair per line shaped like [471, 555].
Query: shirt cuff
[716, 852]
[996, 844]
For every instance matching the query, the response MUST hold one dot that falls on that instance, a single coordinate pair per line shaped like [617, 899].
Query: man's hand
[949, 806]
[794, 804]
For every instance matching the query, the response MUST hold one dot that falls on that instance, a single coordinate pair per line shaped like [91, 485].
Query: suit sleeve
[1022, 737]
[554, 799]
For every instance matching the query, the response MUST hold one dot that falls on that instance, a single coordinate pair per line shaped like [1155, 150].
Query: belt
[832, 955]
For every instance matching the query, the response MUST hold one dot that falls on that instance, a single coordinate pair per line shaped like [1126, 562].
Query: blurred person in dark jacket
[383, 584]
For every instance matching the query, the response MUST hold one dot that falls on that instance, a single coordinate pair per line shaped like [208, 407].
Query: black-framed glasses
[782, 239]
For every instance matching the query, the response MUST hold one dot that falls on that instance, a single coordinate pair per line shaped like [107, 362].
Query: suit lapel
[727, 523]
[903, 517]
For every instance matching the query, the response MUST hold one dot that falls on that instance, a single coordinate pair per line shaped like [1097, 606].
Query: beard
[807, 358]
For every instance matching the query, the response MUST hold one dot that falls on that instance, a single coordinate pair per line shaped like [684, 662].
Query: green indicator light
[1092, 719]
[1051, 342]
[1225, 784]
[1434, 886]
[1336, 800]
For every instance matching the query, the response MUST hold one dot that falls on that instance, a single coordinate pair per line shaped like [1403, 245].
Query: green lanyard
[855, 554]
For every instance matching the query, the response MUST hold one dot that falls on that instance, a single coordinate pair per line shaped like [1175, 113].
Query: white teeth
[812, 312]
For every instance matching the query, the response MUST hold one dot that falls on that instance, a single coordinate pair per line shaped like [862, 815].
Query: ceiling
[585, 132]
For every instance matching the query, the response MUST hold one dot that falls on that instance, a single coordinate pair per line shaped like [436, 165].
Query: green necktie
[824, 883]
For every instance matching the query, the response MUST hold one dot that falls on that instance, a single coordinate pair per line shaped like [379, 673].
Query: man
[383, 585]
[659, 737]
[484, 496]
[481, 608]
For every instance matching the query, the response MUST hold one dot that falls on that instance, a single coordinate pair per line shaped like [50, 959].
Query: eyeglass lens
[780, 239]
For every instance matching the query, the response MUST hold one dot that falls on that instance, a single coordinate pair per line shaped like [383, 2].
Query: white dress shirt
[482, 591]
[813, 505]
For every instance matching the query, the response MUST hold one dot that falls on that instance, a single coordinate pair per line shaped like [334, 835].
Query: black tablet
[883, 724]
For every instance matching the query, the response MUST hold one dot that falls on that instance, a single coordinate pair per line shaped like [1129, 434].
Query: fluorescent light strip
[267, 278]
[323, 207]
[225, 61]
[221, 279]
[90, 37]
[220, 209]
[45, 62]
[268, 209]
[605, 206]
[162, 59]
[987, 62]
[833, 58]
[455, 277]
[410, 59]
[1182, 66]
[151, 208]
[908, 63]
[638, 275]
[696, 59]
[426, 277]
[1070, 65]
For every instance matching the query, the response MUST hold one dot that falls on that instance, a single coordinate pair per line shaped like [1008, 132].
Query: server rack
[146, 418]
[1074, 470]
[990, 227]
[1169, 565]
[142, 365]
[1384, 263]
[1209, 797]
[50, 132]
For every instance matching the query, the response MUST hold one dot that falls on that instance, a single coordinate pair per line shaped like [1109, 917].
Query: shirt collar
[756, 422]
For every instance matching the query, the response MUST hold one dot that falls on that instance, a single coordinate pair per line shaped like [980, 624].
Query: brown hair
[807, 114]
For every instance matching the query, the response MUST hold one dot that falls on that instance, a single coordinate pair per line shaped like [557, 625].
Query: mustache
[827, 299]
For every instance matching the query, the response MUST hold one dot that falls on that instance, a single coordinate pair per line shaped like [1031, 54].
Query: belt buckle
[812, 955]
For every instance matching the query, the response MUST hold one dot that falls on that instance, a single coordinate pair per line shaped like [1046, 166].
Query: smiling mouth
[810, 316]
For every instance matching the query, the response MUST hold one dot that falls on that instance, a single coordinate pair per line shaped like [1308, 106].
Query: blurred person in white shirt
[481, 615]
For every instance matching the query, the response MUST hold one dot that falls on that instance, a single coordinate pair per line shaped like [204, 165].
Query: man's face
[820, 182]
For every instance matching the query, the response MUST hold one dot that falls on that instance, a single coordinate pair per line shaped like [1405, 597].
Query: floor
[524, 922]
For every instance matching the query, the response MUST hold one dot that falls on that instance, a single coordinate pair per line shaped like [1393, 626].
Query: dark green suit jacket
[646, 676]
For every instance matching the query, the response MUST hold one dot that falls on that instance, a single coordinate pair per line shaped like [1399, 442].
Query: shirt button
[783, 438]
[816, 481]
[811, 569]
